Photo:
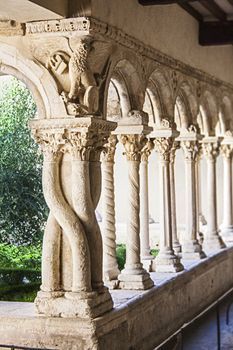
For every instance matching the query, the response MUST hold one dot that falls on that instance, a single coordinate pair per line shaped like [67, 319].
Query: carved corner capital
[109, 149]
[51, 142]
[79, 65]
[133, 145]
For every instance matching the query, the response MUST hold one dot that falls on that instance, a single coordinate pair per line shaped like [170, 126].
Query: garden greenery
[22, 207]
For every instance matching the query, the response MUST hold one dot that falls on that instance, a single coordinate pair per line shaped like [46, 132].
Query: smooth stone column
[110, 267]
[144, 208]
[198, 194]
[133, 276]
[166, 260]
[175, 240]
[212, 241]
[191, 249]
[227, 225]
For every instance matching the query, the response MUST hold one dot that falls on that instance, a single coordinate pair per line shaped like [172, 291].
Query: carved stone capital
[83, 138]
[146, 151]
[51, 143]
[211, 150]
[190, 149]
[109, 149]
[175, 147]
[226, 150]
[133, 145]
[163, 146]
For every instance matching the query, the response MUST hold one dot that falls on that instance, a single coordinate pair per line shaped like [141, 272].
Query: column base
[69, 304]
[135, 279]
[147, 262]
[192, 251]
[227, 234]
[213, 243]
[176, 247]
[111, 274]
[167, 262]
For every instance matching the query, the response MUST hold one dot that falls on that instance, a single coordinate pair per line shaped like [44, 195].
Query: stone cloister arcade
[95, 87]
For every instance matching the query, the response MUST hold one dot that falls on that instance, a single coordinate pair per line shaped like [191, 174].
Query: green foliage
[154, 252]
[22, 206]
[21, 257]
[14, 276]
[121, 255]
[23, 292]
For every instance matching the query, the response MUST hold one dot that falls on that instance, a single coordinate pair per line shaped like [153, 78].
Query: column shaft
[212, 240]
[227, 225]
[166, 260]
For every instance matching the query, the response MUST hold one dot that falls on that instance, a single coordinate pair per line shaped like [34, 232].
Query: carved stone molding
[133, 145]
[88, 25]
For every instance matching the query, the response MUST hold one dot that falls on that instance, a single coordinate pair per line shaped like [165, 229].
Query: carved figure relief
[80, 66]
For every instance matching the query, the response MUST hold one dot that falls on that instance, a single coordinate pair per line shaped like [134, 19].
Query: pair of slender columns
[227, 225]
[212, 241]
[191, 249]
[134, 276]
[166, 260]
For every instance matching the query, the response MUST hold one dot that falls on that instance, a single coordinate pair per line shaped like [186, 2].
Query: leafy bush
[22, 207]
[24, 292]
[121, 255]
[12, 256]
[14, 276]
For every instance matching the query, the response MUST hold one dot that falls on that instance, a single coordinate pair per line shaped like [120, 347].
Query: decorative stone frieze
[70, 188]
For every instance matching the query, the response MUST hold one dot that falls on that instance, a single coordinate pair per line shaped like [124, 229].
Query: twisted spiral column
[227, 225]
[133, 276]
[191, 249]
[166, 260]
[212, 240]
[110, 267]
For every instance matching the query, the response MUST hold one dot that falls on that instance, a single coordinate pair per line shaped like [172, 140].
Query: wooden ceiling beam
[216, 33]
[191, 10]
[213, 8]
[162, 2]
[230, 2]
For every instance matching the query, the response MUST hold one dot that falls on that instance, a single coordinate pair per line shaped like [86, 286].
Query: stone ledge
[140, 320]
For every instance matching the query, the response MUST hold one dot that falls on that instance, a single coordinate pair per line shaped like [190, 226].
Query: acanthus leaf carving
[109, 149]
[163, 146]
[133, 145]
